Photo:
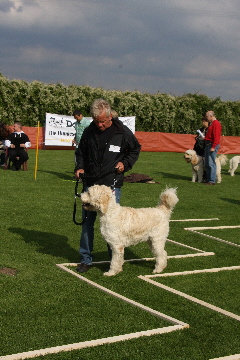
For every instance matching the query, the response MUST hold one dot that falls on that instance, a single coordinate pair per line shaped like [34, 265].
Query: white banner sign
[59, 130]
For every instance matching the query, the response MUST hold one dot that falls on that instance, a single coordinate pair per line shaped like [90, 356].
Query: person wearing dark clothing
[17, 142]
[107, 149]
[199, 145]
[4, 133]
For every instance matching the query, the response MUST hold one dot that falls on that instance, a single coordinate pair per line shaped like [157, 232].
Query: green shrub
[29, 102]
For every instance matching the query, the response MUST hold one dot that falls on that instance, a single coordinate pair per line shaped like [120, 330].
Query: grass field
[43, 306]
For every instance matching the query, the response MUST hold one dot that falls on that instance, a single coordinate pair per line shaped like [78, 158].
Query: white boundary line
[196, 219]
[195, 230]
[188, 297]
[91, 343]
[231, 357]
[177, 325]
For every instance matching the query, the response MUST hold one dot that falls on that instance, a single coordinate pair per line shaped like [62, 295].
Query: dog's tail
[168, 198]
[223, 159]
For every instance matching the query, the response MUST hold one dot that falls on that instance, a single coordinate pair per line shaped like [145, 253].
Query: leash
[75, 200]
[76, 195]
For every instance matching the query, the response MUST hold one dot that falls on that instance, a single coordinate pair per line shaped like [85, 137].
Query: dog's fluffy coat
[125, 226]
[233, 164]
[198, 165]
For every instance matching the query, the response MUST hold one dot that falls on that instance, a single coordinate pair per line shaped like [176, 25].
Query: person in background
[4, 133]
[80, 124]
[212, 141]
[107, 149]
[199, 145]
[17, 142]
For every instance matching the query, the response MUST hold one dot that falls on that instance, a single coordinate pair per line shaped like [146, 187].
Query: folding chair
[8, 161]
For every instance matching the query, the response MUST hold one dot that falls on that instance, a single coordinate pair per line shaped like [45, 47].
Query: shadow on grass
[231, 201]
[48, 243]
[175, 176]
[59, 174]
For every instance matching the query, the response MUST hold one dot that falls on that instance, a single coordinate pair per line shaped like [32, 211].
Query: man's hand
[78, 172]
[212, 149]
[119, 167]
[12, 146]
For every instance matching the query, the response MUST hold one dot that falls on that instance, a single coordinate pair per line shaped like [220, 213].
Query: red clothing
[214, 133]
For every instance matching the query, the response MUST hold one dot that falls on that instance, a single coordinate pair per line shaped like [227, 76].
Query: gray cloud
[170, 46]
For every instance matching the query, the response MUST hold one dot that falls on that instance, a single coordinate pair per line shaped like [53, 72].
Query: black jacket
[122, 146]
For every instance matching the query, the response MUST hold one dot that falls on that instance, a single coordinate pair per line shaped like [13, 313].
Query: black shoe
[82, 268]
[14, 168]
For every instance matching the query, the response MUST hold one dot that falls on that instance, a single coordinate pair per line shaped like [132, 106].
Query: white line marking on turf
[132, 302]
[196, 219]
[91, 343]
[178, 325]
[188, 297]
[196, 230]
[231, 357]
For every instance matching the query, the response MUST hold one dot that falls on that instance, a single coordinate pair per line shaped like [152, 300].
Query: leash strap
[75, 201]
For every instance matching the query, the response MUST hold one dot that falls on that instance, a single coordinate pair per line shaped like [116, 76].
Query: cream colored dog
[125, 226]
[197, 163]
[234, 162]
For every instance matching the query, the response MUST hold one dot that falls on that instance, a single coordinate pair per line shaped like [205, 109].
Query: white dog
[197, 163]
[125, 226]
[234, 161]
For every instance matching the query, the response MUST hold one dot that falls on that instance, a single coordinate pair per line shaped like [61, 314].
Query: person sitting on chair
[4, 134]
[16, 143]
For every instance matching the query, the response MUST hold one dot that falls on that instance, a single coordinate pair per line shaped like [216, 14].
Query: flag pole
[36, 160]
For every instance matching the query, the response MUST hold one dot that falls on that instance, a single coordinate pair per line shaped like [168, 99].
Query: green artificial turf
[42, 306]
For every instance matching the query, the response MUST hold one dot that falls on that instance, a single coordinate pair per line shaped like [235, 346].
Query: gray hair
[98, 106]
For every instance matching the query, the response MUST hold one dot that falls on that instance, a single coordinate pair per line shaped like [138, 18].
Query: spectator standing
[212, 140]
[80, 124]
[199, 145]
[17, 142]
[107, 149]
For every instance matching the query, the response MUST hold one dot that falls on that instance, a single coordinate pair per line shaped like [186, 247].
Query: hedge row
[29, 102]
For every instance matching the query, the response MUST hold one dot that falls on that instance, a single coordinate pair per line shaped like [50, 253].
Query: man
[212, 139]
[17, 142]
[107, 149]
[79, 126]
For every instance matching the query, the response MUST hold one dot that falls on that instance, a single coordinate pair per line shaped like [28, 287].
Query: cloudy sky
[167, 46]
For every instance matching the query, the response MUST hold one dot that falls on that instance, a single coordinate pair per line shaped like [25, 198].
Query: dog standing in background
[233, 164]
[198, 165]
[124, 226]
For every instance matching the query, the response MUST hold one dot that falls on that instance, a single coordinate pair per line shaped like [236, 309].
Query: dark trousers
[18, 157]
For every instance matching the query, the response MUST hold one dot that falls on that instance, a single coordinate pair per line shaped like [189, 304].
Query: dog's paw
[156, 271]
[109, 273]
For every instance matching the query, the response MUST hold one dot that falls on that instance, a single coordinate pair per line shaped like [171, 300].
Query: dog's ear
[103, 204]
[194, 160]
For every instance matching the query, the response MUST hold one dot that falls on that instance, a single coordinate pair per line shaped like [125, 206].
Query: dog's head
[97, 198]
[191, 157]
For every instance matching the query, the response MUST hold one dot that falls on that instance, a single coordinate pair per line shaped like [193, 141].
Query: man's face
[78, 117]
[209, 117]
[102, 121]
[16, 128]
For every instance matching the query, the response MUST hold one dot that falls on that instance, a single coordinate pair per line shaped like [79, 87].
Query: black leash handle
[75, 200]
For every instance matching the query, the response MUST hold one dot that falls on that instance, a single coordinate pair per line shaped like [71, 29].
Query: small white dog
[125, 226]
[197, 163]
[234, 162]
